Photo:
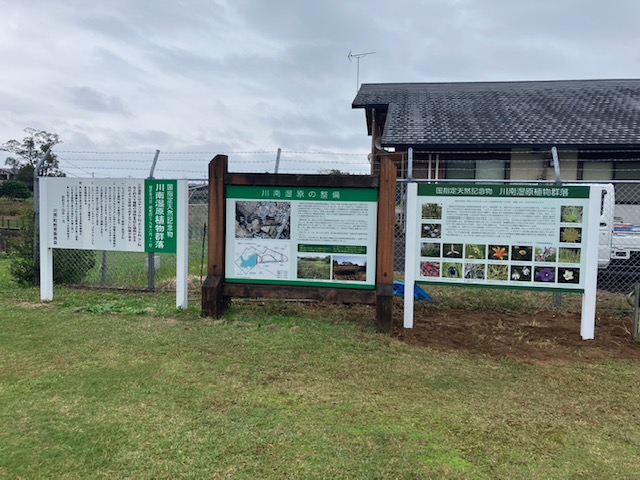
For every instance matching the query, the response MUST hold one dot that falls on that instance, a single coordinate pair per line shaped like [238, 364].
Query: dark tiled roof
[562, 113]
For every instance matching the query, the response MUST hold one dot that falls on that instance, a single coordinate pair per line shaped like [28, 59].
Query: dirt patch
[474, 323]
[540, 338]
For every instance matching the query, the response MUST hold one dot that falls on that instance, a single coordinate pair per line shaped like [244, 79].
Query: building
[5, 174]
[506, 130]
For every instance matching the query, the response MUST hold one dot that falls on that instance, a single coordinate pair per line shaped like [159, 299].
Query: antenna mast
[358, 56]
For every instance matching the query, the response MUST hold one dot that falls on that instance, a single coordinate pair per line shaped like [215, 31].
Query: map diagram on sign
[259, 261]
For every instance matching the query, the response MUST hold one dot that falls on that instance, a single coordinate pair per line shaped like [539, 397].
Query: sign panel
[114, 214]
[531, 237]
[301, 236]
[111, 214]
[161, 207]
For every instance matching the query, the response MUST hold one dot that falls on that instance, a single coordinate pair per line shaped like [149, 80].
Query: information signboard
[111, 214]
[500, 235]
[114, 215]
[542, 237]
[301, 236]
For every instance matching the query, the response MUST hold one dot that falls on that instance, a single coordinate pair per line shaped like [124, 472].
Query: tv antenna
[358, 56]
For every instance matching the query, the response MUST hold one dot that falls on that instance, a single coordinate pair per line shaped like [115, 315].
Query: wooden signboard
[318, 237]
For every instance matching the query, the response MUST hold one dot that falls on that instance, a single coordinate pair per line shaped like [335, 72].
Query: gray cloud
[242, 75]
[89, 99]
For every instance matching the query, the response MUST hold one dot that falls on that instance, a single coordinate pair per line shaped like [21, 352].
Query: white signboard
[502, 236]
[520, 237]
[96, 214]
[111, 214]
[301, 236]
[114, 215]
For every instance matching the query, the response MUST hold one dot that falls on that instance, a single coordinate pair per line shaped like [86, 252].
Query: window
[475, 169]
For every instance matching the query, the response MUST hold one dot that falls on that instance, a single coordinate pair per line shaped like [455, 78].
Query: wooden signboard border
[216, 293]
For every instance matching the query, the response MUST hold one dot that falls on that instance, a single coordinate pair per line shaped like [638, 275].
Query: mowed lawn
[115, 385]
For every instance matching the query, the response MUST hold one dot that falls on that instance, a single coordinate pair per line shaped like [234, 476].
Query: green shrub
[14, 189]
[69, 266]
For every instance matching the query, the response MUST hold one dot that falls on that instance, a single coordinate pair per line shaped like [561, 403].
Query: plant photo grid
[553, 259]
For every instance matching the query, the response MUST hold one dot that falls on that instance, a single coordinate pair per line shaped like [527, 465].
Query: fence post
[151, 257]
[635, 328]
[277, 160]
[557, 296]
[103, 269]
[410, 165]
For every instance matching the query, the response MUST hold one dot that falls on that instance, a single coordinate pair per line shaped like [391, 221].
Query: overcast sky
[255, 75]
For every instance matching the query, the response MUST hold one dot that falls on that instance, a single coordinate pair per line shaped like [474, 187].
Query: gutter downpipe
[556, 164]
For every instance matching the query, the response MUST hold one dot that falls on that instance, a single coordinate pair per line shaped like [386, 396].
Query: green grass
[121, 386]
[312, 268]
[15, 207]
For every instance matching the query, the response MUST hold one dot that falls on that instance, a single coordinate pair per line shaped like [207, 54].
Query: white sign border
[182, 245]
[588, 317]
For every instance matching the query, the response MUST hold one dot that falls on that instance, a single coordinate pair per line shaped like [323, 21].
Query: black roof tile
[562, 113]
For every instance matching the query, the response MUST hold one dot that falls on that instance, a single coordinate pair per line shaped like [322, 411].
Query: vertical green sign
[160, 215]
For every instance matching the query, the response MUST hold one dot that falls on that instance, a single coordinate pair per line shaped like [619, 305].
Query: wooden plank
[384, 313]
[212, 304]
[386, 222]
[385, 249]
[217, 217]
[289, 180]
[336, 295]
[212, 299]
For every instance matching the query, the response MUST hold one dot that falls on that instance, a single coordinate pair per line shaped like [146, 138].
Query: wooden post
[386, 235]
[212, 291]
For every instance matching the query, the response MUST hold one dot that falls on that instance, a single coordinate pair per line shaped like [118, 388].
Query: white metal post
[182, 246]
[588, 320]
[46, 253]
[410, 253]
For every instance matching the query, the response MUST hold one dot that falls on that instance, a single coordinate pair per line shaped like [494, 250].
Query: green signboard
[160, 206]
[303, 236]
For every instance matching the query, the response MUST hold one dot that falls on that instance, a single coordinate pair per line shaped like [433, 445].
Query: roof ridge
[503, 82]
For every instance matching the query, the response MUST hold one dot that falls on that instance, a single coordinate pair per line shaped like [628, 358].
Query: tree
[14, 189]
[26, 154]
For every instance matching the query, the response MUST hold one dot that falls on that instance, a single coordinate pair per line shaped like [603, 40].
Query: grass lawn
[121, 386]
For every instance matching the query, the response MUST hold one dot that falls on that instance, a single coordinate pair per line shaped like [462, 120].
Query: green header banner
[161, 206]
[342, 249]
[479, 190]
[310, 194]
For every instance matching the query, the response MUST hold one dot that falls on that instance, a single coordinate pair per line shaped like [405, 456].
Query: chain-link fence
[619, 253]
[619, 248]
[130, 270]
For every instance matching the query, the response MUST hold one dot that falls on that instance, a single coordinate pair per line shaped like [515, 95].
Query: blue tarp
[418, 293]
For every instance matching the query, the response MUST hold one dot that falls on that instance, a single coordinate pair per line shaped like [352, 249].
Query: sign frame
[88, 212]
[542, 200]
[218, 288]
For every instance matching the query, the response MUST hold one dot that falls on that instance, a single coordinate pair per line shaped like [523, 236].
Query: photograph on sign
[518, 237]
[301, 236]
